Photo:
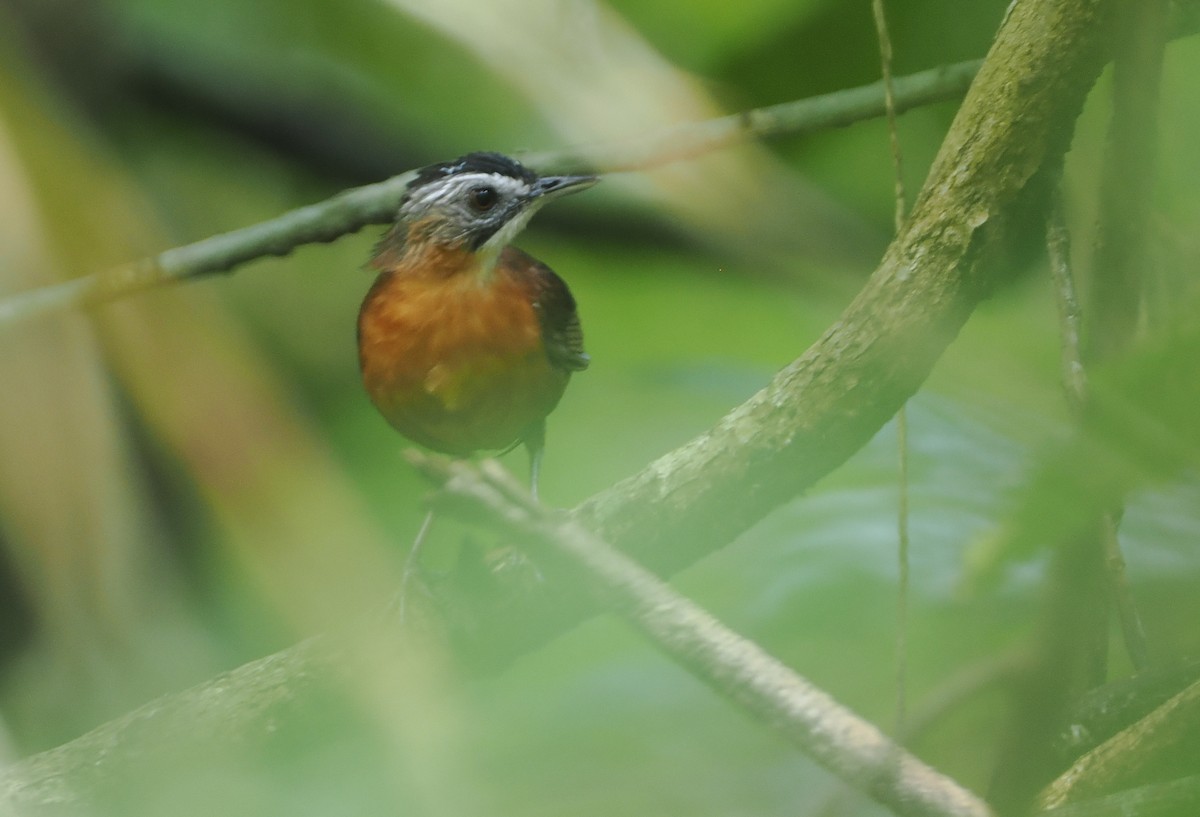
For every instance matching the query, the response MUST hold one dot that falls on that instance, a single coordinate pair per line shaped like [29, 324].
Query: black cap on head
[481, 162]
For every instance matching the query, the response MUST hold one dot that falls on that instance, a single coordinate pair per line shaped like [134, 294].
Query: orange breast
[455, 362]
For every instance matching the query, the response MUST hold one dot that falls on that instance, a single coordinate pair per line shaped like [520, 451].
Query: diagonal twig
[353, 209]
[734, 666]
[1159, 745]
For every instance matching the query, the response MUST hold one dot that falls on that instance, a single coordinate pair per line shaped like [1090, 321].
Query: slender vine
[902, 528]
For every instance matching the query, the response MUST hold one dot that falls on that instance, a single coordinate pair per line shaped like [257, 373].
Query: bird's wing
[562, 333]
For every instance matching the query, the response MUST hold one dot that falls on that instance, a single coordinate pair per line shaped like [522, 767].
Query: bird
[466, 343]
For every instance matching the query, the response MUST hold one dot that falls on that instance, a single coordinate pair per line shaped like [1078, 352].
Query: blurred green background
[194, 478]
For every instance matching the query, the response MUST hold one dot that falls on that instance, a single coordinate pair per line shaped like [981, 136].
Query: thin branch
[1104, 711]
[902, 529]
[1162, 743]
[734, 666]
[951, 695]
[819, 113]
[353, 209]
[889, 103]
[1075, 384]
[1058, 245]
[1172, 799]
[317, 223]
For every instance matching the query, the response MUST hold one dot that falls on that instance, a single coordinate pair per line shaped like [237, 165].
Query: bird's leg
[535, 468]
[509, 558]
[412, 563]
[535, 444]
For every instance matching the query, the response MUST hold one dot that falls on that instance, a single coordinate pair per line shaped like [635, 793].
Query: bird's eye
[483, 198]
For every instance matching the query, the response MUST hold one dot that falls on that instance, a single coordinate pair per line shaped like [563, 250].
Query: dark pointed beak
[551, 187]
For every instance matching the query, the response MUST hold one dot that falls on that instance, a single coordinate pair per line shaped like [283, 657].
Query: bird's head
[480, 201]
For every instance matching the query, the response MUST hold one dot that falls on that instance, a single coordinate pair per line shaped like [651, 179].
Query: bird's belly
[458, 368]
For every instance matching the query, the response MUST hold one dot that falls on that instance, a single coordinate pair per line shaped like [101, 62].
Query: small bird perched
[466, 343]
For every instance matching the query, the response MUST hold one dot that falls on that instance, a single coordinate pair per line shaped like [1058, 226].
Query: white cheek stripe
[502, 237]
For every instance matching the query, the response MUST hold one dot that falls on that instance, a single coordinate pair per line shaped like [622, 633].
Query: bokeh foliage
[193, 478]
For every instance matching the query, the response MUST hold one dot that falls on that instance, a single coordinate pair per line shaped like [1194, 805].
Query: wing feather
[562, 333]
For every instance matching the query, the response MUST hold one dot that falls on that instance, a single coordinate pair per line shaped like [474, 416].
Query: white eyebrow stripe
[443, 190]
